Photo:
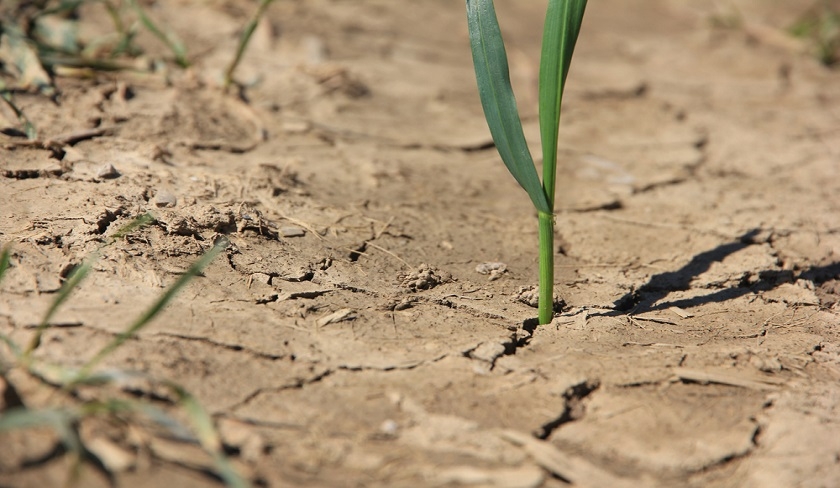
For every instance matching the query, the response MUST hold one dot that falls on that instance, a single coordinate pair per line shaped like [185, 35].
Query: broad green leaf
[494, 89]
[562, 26]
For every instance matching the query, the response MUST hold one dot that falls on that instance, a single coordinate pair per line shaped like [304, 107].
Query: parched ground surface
[346, 338]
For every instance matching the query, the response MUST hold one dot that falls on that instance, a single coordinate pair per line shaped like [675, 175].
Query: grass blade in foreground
[208, 437]
[492, 75]
[75, 278]
[5, 259]
[172, 42]
[156, 308]
[59, 419]
[244, 39]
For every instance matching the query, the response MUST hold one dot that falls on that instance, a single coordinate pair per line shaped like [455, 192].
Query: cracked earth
[366, 326]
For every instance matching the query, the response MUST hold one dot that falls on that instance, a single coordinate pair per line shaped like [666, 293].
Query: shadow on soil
[647, 297]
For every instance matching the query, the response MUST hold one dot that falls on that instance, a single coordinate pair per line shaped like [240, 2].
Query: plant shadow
[647, 298]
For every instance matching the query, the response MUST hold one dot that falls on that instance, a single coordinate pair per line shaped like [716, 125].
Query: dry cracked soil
[365, 327]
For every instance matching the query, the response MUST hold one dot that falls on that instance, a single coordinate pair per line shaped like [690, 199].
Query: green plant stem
[170, 40]
[546, 304]
[244, 39]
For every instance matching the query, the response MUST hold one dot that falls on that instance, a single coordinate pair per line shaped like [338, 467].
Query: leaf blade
[498, 101]
[563, 20]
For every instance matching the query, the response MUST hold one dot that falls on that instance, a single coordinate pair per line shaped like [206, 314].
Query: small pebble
[107, 171]
[315, 49]
[261, 278]
[296, 126]
[292, 232]
[165, 199]
[487, 268]
[389, 428]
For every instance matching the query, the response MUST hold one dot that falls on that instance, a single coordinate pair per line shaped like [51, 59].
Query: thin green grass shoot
[26, 125]
[168, 38]
[562, 27]
[5, 259]
[75, 277]
[821, 26]
[65, 420]
[156, 307]
[43, 38]
[244, 39]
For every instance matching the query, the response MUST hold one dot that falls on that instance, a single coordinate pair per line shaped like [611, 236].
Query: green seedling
[562, 26]
[38, 38]
[5, 258]
[821, 26]
[156, 307]
[75, 277]
[168, 38]
[244, 39]
[65, 421]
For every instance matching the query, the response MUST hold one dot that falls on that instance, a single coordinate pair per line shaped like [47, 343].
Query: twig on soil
[384, 228]
[461, 296]
[706, 377]
[652, 344]
[650, 319]
[63, 140]
[574, 469]
[657, 225]
[266, 203]
[219, 146]
[387, 252]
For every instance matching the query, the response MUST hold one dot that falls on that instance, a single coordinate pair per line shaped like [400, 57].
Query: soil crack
[574, 407]
[231, 347]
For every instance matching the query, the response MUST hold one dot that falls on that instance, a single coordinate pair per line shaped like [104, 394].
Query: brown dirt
[698, 255]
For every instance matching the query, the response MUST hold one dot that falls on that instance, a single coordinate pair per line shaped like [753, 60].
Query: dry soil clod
[425, 277]
[165, 199]
[495, 270]
[530, 295]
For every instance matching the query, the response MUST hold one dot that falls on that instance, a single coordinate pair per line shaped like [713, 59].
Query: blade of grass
[64, 7]
[28, 127]
[155, 309]
[202, 423]
[12, 345]
[5, 259]
[207, 436]
[52, 60]
[136, 224]
[75, 278]
[562, 26]
[175, 45]
[498, 101]
[59, 419]
[116, 406]
[244, 39]
[563, 19]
